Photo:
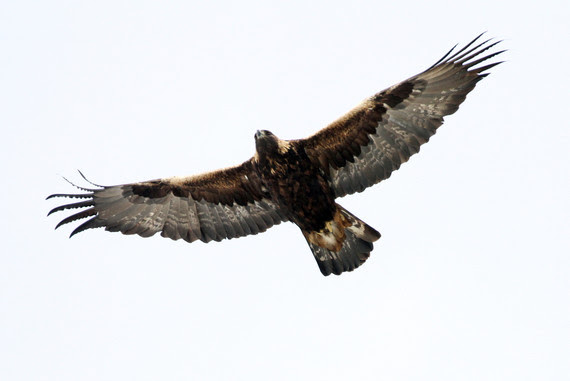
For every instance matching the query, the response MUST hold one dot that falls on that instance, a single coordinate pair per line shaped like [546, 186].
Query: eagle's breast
[298, 186]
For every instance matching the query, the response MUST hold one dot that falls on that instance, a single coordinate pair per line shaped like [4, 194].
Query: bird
[298, 180]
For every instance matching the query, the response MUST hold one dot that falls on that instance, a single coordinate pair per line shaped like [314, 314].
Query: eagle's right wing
[227, 203]
[370, 142]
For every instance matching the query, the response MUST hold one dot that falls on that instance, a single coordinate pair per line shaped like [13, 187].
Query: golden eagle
[297, 180]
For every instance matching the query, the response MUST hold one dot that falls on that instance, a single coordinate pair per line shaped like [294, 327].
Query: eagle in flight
[297, 180]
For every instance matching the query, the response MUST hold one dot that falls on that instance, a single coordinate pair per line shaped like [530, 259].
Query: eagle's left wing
[227, 203]
[370, 142]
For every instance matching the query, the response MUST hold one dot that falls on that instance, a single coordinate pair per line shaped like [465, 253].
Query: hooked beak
[260, 134]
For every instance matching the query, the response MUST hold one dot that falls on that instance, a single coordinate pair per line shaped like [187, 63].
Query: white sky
[469, 281]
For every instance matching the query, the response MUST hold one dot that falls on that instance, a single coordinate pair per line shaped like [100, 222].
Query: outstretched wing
[370, 142]
[227, 203]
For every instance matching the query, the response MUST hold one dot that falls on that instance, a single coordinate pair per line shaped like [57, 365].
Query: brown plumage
[297, 180]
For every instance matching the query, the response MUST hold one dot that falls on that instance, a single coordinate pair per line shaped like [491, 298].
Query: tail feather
[355, 242]
[354, 252]
[360, 228]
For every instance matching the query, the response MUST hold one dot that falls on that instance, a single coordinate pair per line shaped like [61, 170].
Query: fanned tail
[343, 245]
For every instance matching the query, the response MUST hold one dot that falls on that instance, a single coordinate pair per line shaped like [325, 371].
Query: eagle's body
[302, 191]
[296, 180]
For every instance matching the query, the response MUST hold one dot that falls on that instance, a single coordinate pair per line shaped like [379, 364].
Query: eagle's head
[268, 144]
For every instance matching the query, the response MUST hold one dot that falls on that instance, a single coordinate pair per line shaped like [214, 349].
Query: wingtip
[481, 34]
[480, 70]
[79, 187]
[90, 182]
[454, 54]
[56, 195]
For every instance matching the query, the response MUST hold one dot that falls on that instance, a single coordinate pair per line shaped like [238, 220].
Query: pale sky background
[470, 280]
